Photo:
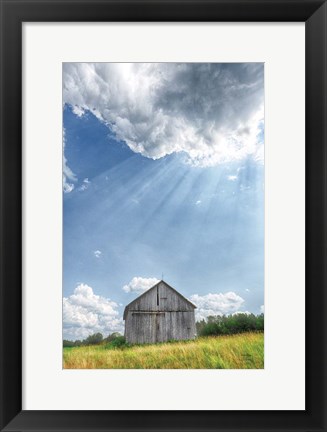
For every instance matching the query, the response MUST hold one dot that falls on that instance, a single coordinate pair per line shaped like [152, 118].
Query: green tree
[94, 339]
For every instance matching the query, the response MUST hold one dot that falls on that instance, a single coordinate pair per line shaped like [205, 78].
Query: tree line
[211, 326]
[230, 324]
[94, 339]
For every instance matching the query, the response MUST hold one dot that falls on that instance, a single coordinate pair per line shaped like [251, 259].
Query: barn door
[161, 333]
[142, 328]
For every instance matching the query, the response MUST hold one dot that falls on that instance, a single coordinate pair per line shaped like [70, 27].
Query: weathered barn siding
[159, 315]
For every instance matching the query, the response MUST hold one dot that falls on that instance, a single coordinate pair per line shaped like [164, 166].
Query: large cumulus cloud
[216, 304]
[139, 284]
[211, 112]
[85, 313]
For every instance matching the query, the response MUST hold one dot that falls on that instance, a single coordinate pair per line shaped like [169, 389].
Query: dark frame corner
[13, 14]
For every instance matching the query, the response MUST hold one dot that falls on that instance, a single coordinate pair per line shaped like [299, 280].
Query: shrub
[117, 342]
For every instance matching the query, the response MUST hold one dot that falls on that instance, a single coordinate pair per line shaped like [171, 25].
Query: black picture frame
[13, 14]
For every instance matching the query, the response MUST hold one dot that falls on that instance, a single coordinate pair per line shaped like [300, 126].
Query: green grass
[242, 351]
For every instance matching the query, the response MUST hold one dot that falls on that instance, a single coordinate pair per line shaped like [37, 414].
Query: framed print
[163, 215]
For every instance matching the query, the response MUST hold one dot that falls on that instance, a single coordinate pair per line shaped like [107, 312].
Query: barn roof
[154, 286]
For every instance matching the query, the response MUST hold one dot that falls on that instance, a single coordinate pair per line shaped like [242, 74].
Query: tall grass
[243, 351]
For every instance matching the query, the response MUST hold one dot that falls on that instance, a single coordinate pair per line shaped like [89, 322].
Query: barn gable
[161, 297]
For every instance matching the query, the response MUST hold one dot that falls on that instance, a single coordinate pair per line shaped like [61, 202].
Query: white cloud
[85, 313]
[97, 253]
[67, 187]
[198, 202]
[216, 304]
[139, 284]
[213, 113]
[232, 177]
[247, 290]
[78, 111]
[67, 173]
[242, 312]
[262, 309]
[85, 185]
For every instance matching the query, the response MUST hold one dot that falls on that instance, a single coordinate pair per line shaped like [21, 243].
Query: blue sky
[163, 174]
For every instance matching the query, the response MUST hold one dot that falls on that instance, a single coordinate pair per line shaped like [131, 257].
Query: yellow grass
[243, 351]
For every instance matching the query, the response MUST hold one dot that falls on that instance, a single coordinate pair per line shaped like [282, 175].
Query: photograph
[163, 215]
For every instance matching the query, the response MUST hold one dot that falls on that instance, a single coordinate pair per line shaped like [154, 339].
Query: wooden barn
[158, 315]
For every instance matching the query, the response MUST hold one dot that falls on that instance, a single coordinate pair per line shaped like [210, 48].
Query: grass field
[242, 351]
